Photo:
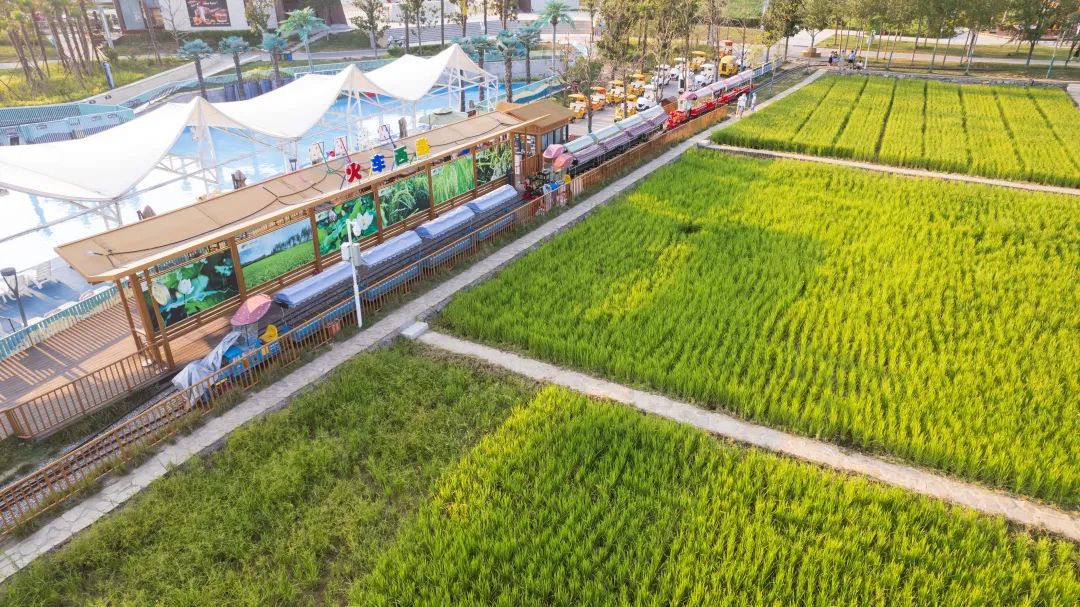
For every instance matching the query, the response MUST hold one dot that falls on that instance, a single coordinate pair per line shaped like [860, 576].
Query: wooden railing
[51, 411]
[61, 320]
[31, 495]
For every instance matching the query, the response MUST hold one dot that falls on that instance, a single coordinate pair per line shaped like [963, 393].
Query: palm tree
[555, 12]
[507, 43]
[275, 45]
[478, 46]
[196, 50]
[302, 22]
[529, 39]
[235, 46]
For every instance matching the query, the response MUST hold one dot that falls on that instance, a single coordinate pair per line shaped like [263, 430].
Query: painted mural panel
[404, 198]
[275, 253]
[332, 222]
[494, 162]
[194, 287]
[452, 179]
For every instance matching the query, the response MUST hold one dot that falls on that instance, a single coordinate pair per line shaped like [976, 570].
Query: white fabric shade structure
[105, 166]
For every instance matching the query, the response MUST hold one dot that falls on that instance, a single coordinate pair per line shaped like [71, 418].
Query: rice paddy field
[928, 320]
[408, 478]
[577, 502]
[1004, 132]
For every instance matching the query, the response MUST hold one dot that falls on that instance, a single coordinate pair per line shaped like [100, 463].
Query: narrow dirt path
[995, 503]
[882, 168]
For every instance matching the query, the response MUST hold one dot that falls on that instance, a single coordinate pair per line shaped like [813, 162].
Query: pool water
[26, 211]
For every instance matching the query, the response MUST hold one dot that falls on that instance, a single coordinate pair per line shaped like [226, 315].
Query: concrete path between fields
[920, 481]
[1074, 92]
[117, 490]
[883, 168]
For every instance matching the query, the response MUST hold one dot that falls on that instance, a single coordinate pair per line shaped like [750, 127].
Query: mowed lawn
[583, 503]
[295, 506]
[1005, 132]
[928, 320]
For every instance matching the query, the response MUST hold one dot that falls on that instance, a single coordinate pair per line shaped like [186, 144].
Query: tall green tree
[196, 50]
[529, 39]
[235, 46]
[781, 22]
[507, 43]
[1034, 18]
[372, 19]
[555, 12]
[815, 16]
[302, 23]
[274, 45]
[585, 72]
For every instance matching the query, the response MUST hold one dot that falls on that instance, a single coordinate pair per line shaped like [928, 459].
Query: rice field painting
[452, 179]
[404, 198]
[494, 162]
[275, 253]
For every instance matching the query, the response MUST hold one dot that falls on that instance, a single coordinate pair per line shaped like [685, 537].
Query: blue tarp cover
[493, 200]
[445, 223]
[312, 286]
[396, 246]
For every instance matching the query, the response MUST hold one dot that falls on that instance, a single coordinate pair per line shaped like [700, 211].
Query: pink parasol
[553, 151]
[563, 162]
[253, 308]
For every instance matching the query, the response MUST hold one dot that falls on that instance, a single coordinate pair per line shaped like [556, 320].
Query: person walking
[740, 106]
[851, 58]
[753, 102]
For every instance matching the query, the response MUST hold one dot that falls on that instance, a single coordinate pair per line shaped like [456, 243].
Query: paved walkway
[118, 489]
[1074, 92]
[882, 168]
[919, 481]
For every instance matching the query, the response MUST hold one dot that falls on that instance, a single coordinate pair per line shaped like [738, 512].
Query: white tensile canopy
[105, 166]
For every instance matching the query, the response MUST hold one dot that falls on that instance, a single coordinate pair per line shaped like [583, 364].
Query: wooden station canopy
[543, 115]
[124, 251]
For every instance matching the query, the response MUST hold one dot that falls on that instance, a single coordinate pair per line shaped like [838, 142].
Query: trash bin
[286, 56]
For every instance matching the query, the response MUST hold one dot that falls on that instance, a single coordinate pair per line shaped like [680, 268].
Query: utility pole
[761, 26]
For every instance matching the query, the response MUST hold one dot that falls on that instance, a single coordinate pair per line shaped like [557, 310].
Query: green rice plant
[494, 162]
[294, 506]
[993, 151]
[902, 143]
[404, 198]
[1035, 141]
[1059, 111]
[945, 137]
[1005, 132]
[777, 129]
[866, 122]
[818, 134]
[931, 320]
[586, 503]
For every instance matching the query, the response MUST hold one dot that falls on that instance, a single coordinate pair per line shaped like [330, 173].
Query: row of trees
[1027, 21]
[300, 23]
[69, 45]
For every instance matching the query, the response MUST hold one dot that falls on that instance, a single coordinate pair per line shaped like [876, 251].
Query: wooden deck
[76, 354]
[91, 344]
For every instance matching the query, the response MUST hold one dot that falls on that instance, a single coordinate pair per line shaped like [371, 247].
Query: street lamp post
[12, 281]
